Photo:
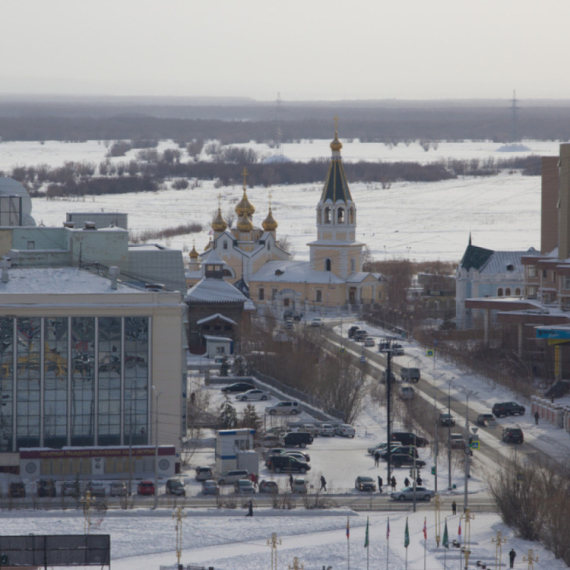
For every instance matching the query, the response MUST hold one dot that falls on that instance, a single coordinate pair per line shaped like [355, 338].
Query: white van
[407, 392]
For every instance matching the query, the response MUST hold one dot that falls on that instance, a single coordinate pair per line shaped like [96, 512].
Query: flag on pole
[445, 536]
[425, 529]
[366, 542]
[406, 535]
[347, 529]
[388, 529]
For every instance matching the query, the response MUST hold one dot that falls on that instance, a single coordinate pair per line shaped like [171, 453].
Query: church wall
[331, 295]
[318, 256]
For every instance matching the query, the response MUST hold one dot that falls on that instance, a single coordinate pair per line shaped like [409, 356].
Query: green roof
[475, 257]
[336, 186]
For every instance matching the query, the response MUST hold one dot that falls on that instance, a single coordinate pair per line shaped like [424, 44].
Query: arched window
[225, 245]
[508, 292]
[328, 264]
[327, 215]
[500, 292]
[518, 291]
[340, 216]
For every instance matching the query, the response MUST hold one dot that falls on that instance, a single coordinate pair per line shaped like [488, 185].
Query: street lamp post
[157, 396]
[131, 438]
[468, 394]
[449, 435]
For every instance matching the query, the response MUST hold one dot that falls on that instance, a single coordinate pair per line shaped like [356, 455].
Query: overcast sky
[304, 49]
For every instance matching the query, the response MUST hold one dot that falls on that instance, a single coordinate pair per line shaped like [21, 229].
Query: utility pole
[467, 449]
[273, 543]
[295, 565]
[531, 559]
[437, 503]
[157, 396]
[449, 436]
[468, 518]
[388, 410]
[179, 516]
[498, 542]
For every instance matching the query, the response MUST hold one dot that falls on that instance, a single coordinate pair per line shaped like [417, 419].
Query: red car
[145, 488]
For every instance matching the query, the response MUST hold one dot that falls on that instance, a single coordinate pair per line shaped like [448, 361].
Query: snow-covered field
[416, 220]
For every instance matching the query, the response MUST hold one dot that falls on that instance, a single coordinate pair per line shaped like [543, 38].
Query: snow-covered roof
[58, 281]
[293, 272]
[360, 276]
[195, 274]
[217, 338]
[216, 316]
[210, 290]
[506, 262]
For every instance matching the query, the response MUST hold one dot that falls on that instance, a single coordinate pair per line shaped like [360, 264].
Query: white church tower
[336, 248]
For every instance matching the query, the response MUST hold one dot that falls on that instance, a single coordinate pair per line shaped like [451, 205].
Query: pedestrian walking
[291, 480]
[250, 509]
[406, 482]
[323, 484]
[536, 417]
[377, 459]
[512, 556]
[419, 481]
[454, 508]
[393, 483]
[380, 484]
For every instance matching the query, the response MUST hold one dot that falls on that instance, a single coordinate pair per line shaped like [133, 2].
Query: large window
[136, 380]
[28, 382]
[55, 381]
[6, 383]
[109, 386]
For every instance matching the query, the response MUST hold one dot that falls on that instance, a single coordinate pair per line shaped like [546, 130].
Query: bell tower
[336, 248]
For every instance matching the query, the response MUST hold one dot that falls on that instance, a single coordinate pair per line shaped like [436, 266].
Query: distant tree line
[392, 124]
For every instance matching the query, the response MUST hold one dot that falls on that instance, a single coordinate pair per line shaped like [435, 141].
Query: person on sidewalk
[536, 417]
[512, 556]
[291, 480]
[380, 484]
[377, 459]
[250, 509]
[454, 508]
[323, 484]
[393, 483]
[406, 482]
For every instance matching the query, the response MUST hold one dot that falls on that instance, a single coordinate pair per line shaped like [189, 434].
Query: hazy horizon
[307, 51]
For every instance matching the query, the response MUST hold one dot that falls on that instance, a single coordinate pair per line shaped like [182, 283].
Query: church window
[518, 291]
[328, 264]
[500, 292]
[508, 292]
[318, 296]
[261, 294]
[225, 245]
[340, 216]
[327, 215]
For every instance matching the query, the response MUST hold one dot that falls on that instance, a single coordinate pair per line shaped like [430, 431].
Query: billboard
[55, 550]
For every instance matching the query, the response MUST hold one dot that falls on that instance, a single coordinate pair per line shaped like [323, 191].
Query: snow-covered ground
[416, 220]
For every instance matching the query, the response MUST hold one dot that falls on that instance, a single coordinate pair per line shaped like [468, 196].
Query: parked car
[300, 438]
[204, 473]
[486, 420]
[345, 430]
[406, 460]
[71, 489]
[309, 428]
[410, 374]
[302, 456]
[175, 487]
[326, 430]
[244, 487]
[513, 435]
[410, 450]
[446, 420]
[316, 322]
[96, 488]
[210, 488]
[352, 330]
[238, 387]
[270, 440]
[299, 485]
[285, 463]
[363, 483]
[385, 375]
[284, 408]
[360, 335]
[382, 447]
[118, 489]
[503, 409]
[407, 438]
[254, 394]
[407, 392]
[230, 477]
[383, 346]
[46, 488]
[146, 488]
[407, 494]
[268, 487]
[17, 490]
[274, 451]
[369, 341]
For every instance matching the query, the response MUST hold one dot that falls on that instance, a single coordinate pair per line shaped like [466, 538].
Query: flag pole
[367, 545]
[425, 541]
[348, 543]
[388, 544]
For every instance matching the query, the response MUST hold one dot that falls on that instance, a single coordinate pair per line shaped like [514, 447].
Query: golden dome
[244, 223]
[219, 224]
[244, 206]
[336, 145]
[193, 253]
[269, 224]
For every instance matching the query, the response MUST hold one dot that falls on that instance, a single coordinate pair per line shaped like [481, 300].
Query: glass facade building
[74, 381]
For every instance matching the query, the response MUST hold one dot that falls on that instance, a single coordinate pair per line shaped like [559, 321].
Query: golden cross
[245, 173]
[220, 200]
[336, 126]
[270, 195]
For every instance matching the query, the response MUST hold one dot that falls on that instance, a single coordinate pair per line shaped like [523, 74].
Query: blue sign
[363, 359]
[562, 334]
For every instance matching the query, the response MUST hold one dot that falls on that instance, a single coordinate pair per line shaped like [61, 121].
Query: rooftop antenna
[514, 125]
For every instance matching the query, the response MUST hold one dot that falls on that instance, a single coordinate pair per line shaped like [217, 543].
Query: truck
[410, 374]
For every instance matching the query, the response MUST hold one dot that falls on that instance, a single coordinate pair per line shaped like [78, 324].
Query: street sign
[430, 353]
[363, 359]
[475, 444]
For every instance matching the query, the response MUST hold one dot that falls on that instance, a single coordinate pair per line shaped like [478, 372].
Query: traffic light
[433, 470]
[411, 472]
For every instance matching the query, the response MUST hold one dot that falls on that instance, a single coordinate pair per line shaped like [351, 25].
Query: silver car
[407, 494]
